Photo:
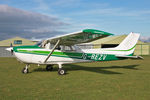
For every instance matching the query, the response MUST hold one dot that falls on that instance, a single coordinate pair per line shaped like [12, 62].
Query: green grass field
[114, 80]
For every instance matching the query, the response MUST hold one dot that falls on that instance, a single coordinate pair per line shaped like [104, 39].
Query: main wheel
[61, 71]
[49, 67]
[25, 71]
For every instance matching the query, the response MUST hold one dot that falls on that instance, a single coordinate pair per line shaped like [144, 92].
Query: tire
[49, 67]
[61, 71]
[25, 71]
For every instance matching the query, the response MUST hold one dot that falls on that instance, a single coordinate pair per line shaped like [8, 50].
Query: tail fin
[129, 42]
[126, 47]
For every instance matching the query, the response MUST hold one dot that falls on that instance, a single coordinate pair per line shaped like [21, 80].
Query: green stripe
[123, 50]
[26, 47]
[54, 53]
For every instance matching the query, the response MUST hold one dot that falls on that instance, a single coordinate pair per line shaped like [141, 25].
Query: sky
[39, 19]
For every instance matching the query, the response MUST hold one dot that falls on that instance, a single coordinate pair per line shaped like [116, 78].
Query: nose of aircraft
[9, 49]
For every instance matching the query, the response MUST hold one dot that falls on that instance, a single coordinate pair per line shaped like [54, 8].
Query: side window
[17, 41]
[69, 48]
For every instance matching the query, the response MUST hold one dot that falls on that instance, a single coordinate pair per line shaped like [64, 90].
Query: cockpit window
[63, 48]
[39, 44]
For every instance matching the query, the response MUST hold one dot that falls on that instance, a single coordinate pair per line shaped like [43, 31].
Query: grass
[114, 80]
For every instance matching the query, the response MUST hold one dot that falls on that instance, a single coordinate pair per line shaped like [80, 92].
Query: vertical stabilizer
[127, 46]
[129, 42]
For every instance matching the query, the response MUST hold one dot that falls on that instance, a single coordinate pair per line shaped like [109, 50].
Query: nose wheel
[25, 70]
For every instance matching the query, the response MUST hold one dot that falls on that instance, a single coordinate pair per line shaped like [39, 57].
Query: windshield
[39, 44]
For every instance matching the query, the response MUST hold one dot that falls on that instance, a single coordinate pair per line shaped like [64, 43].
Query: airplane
[63, 49]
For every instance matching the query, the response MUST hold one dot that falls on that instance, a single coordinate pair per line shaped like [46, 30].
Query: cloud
[103, 11]
[145, 39]
[17, 22]
[66, 3]
[42, 5]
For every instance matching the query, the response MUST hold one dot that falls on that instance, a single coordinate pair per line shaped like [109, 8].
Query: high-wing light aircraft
[63, 50]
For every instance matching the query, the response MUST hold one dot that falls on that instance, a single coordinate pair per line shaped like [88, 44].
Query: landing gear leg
[25, 70]
[61, 71]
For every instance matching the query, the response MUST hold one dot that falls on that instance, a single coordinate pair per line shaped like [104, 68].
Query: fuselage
[37, 55]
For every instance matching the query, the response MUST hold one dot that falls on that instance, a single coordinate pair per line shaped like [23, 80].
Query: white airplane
[63, 50]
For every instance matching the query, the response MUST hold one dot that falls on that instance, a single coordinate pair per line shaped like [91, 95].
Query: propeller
[10, 50]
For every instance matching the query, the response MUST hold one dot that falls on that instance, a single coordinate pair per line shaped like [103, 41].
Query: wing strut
[52, 51]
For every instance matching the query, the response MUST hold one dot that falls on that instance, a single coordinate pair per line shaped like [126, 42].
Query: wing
[83, 36]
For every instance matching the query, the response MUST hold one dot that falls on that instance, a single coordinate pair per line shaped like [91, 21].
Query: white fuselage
[39, 59]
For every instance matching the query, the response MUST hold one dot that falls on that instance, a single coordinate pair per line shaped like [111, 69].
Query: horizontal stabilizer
[130, 57]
